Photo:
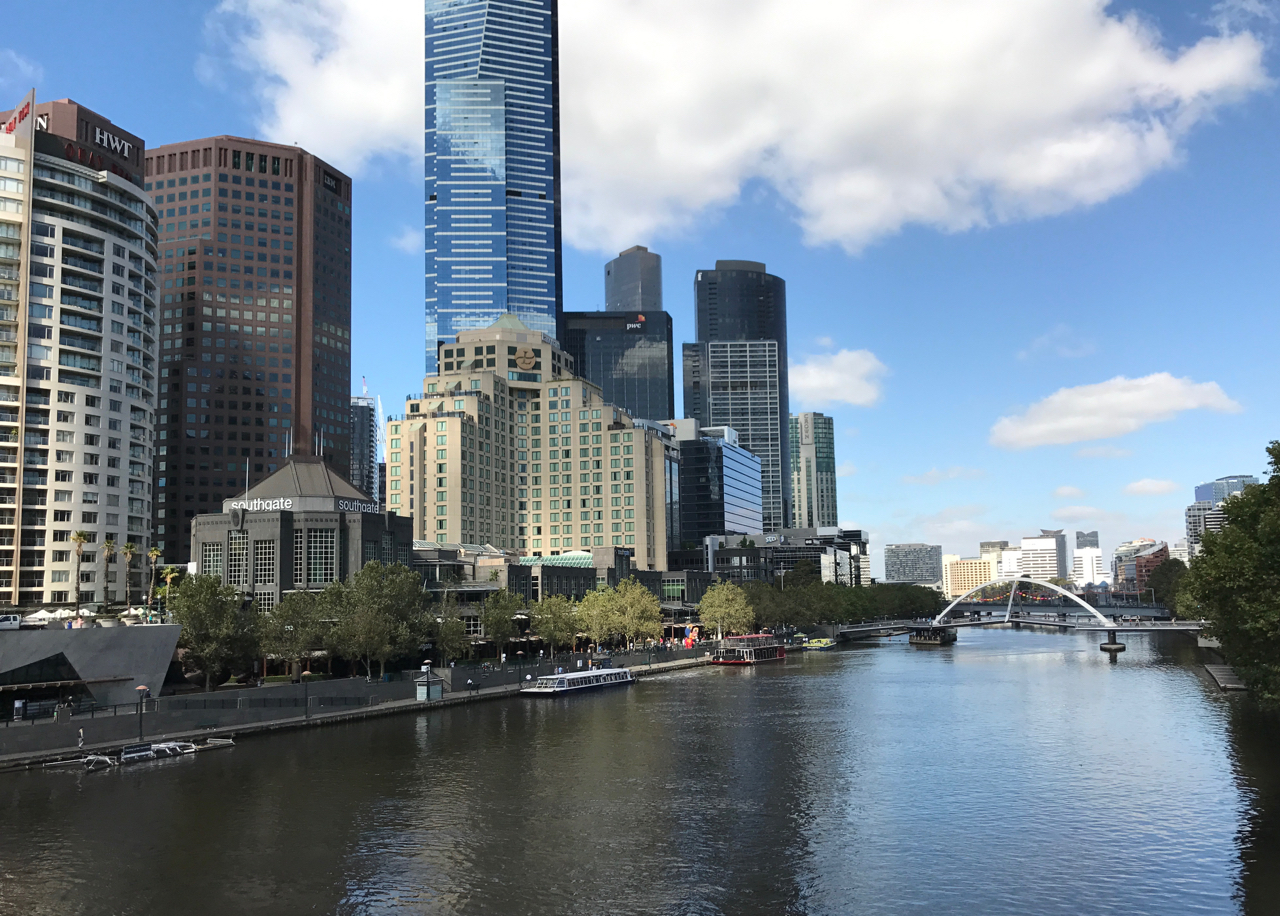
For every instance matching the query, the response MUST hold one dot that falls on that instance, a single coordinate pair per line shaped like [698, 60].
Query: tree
[804, 574]
[725, 606]
[154, 556]
[496, 617]
[291, 630]
[219, 627]
[599, 614]
[557, 621]
[449, 630]
[1234, 583]
[639, 610]
[378, 615]
[108, 554]
[1165, 580]
[168, 575]
[128, 551]
[79, 538]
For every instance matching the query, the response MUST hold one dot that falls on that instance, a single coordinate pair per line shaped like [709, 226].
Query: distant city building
[1180, 551]
[1215, 491]
[364, 445]
[1086, 539]
[736, 374]
[670, 475]
[1205, 514]
[628, 355]
[813, 470]
[633, 281]
[1122, 568]
[961, 575]
[1144, 563]
[917, 563]
[1087, 567]
[1045, 556]
[985, 547]
[1010, 563]
[719, 486]
[492, 168]
[840, 555]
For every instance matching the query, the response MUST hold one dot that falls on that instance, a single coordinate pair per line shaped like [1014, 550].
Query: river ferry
[932, 636]
[580, 680]
[819, 645]
[749, 650]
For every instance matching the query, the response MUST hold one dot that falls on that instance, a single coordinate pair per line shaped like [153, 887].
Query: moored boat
[932, 636]
[819, 645]
[580, 680]
[136, 753]
[749, 650]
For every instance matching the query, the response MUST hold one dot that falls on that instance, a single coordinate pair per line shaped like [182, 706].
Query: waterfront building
[78, 365]
[813, 470]
[506, 446]
[364, 474]
[670, 473]
[920, 564]
[492, 167]
[628, 355]
[1009, 563]
[840, 555]
[1180, 551]
[1123, 573]
[633, 281]
[961, 575]
[719, 482]
[1215, 491]
[736, 373]
[1087, 567]
[1045, 556]
[300, 529]
[256, 320]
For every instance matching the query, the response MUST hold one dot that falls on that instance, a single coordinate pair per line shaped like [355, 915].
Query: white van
[10, 621]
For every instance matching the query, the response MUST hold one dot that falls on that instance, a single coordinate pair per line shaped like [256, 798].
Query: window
[321, 555]
[237, 554]
[264, 561]
[299, 555]
[211, 560]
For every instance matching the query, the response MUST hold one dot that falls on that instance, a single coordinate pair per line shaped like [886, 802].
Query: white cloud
[945, 113]
[825, 342]
[934, 476]
[845, 469]
[1060, 341]
[847, 377]
[1149, 487]
[17, 74]
[1078, 514]
[1068, 493]
[1112, 408]
[1103, 451]
[409, 240]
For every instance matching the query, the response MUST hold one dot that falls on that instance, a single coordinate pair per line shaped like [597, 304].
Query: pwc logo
[637, 325]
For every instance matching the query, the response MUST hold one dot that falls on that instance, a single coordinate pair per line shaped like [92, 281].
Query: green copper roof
[564, 559]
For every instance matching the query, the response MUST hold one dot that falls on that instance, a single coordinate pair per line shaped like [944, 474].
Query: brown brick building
[255, 320]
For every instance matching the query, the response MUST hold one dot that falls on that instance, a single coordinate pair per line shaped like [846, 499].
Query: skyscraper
[628, 354]
[813, 470]
[736, 374]
[492, 167]
[1215, 491]
[719, 483]
[918, 563]
[364, 446]
[255, 360]
[1045, 556]
[633, 281]
[78, 368]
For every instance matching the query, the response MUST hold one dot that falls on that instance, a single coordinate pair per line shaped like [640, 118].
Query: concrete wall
[128, 656]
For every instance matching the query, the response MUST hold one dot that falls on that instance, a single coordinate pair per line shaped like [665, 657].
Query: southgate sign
[301, 504]
[262, 505]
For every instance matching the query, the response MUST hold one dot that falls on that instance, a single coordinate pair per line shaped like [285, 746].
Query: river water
[1015, 772]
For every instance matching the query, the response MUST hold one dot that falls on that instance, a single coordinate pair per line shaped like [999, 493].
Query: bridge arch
[942, 618]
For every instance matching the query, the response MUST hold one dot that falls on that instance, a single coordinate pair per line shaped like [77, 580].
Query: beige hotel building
[507, 447]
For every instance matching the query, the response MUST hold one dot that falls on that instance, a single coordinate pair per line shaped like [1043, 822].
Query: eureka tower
[492, 167]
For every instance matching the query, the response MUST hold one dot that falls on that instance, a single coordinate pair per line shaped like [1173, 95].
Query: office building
[1180, 550]
[78, 367]
[1087, 568]
[916, 563]
[961, 575]
[719, 483]
[813, 471]
[633, 281]
[1123, 571]
[255, 358]
[1086, 539]
[671, 476]
[506, 446]
[301, 528]
[492, 167]
[1045, 557]
[1215, 491]
[985, 547]
[736, 373]
[628, 355]
[840, 555]
[364, 446]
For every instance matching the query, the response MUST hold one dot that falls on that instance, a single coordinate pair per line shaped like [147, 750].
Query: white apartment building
[1087, 567]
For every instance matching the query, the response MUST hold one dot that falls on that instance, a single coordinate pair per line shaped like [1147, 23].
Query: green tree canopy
[220, 631]
[725, 607]
[449, 630]
[497, 617]
[557, 621]
[377, 616]
[1234, 583]
[291, 630]
[600, 617]
[640, 611]
[1165, 580]
[804, 575]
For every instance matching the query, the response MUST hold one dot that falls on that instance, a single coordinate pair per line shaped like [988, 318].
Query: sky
[1030, 245]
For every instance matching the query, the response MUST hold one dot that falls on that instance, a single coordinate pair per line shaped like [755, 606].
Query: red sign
[18, 117]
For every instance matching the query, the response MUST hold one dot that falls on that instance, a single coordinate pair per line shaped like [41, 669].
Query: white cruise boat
[580, 680]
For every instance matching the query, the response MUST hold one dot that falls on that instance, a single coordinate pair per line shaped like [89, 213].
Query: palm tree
[108, 554]
[129, 551]
[154, 556]
[170, 573]
[79, 538]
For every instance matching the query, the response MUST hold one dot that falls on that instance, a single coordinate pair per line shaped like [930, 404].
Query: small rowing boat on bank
[580, 680]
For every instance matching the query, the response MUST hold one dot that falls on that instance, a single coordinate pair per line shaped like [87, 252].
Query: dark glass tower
[736, 374]
[633, 281]
[629, 355]
[492, 167]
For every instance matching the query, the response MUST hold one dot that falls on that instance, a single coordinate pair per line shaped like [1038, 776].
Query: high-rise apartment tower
[492, 167]
[255, 360]
[813, 471]
[364, 446]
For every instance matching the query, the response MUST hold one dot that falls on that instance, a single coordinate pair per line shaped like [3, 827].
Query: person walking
[80, 742]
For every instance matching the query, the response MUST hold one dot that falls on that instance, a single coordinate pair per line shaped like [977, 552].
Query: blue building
[492, 167]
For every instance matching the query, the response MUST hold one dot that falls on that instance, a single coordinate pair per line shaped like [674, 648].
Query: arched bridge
[942, 618]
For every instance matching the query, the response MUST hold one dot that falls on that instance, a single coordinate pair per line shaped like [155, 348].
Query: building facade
[364, 473]
[1045, 556]
[633, 282]
[1123, 572]
[255, 355]
[492, 167]
[915, 563]
[628, 355]
[505, 446]
[961, 575]
[813, 471]
[736, 373]
[78, 353]
[719, 483]
[1215, 491]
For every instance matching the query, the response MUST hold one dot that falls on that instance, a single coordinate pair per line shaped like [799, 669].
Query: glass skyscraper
[492, 167]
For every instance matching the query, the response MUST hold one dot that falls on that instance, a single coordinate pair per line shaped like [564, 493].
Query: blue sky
[932, 234]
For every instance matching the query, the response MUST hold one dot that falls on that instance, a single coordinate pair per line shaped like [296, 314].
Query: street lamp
[142, 696]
